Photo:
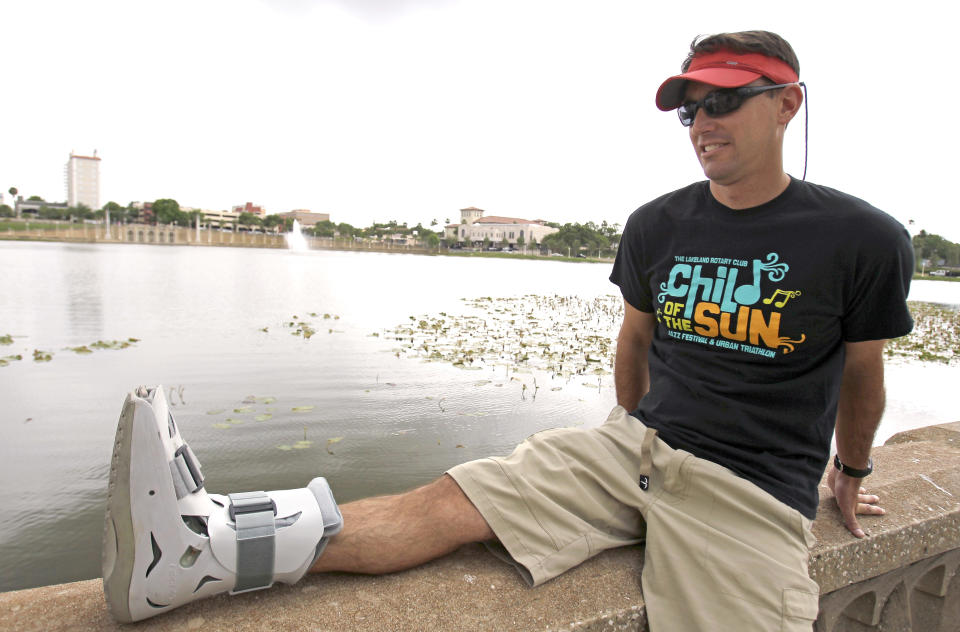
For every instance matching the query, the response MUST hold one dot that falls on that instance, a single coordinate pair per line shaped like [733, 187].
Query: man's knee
[458, 511]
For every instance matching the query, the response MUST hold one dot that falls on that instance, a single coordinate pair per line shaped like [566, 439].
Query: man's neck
[748, 194]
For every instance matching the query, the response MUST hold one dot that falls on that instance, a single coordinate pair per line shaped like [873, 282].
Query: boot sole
[118, 540]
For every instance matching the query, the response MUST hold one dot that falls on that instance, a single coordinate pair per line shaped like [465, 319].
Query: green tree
[347, 231]
[167, 211]
[132, 212]
[81, 212]
[521, 241]
[117, 212]
[272, 221]
[52, 212]
[325, 228]
[431, 239]
[6, 211]
[13, 192]
[486, 243]
[35, 198]
[574, 238]
[935, 248]
[249, 219]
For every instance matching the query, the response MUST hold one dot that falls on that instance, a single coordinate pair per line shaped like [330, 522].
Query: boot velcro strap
[185, 468]
[253, 513]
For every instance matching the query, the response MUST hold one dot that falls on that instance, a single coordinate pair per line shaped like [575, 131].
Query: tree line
[589, 239]
[935, 251]
[575, 239]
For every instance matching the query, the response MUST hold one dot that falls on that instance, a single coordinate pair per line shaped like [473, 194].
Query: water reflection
[81, 283]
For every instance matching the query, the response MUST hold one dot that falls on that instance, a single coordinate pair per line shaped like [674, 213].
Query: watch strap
[852, 471]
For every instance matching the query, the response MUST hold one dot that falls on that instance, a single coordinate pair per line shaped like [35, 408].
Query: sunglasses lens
[722, 102]
[687, 112]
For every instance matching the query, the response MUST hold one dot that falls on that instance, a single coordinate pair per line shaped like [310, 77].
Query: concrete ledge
[903, 577]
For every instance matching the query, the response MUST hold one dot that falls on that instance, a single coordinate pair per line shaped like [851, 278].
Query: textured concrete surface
[919, 486]
[469, 590]
[922, 597]
[917, 477]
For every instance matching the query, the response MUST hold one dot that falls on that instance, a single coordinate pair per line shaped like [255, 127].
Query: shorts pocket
[800, 609]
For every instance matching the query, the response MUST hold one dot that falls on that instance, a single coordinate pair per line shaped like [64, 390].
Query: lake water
[213, 324]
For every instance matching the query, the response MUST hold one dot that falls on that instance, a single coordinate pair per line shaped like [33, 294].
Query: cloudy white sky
[372, 110]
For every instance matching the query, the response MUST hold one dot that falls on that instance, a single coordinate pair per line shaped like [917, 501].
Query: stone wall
[179, 235]
[903, 577]
[143, 234]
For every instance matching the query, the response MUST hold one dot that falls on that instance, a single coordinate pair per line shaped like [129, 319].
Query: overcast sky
[372, 110]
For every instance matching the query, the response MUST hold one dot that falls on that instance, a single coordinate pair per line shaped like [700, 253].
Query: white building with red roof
[474, 228]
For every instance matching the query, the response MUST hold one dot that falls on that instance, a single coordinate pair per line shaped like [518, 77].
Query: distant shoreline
[180, 236]
[148, 235]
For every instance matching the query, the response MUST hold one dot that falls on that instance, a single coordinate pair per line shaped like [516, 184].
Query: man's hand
[858, 414]
[852, 500]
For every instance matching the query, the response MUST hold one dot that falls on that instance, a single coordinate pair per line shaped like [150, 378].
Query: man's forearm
[631, 374]
[860, 409]
[859, 413]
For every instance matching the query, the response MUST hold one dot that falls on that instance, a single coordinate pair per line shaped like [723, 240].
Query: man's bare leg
[392, 533]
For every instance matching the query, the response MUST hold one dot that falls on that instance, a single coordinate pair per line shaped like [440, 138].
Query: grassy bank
[511, 255]
[22, 226]
[927, 277]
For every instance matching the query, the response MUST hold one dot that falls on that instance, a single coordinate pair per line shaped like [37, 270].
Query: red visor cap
[724, 69]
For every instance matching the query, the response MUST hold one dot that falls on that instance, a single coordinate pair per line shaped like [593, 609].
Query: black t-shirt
[753, 307]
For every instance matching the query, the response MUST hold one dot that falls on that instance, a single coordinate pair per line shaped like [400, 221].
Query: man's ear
[790, 101]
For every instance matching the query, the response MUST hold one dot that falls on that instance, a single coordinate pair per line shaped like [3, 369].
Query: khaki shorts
[720, 553]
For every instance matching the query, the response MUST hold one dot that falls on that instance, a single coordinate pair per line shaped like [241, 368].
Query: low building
[31, 208]
[220, 219]
[474, 228]
[251, 208]
[305, 217]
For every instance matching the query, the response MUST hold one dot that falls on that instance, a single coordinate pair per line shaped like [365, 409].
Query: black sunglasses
[721, 102]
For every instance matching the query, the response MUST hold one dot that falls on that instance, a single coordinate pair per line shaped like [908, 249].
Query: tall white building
[83, 180]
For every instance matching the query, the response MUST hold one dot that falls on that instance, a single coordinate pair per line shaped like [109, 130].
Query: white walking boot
[167, 541]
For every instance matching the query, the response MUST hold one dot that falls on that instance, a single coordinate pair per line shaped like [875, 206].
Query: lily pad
[263, 417]
[6, 339]
[243, 409]
[216, 411]
[302, 409]
[285, 448]
[222, 426]
[5, 361]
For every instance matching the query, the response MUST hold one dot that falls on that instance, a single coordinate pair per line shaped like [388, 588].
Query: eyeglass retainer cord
[806, 129]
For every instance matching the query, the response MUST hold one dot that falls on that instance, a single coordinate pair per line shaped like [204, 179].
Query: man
[756, 309]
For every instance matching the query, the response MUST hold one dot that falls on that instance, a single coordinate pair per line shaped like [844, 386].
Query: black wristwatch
[852, 471]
